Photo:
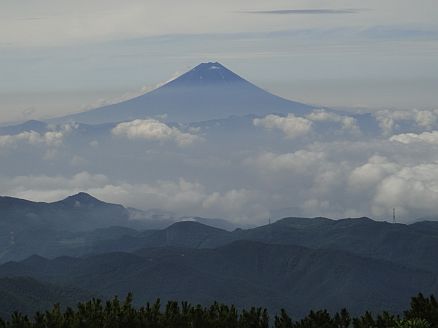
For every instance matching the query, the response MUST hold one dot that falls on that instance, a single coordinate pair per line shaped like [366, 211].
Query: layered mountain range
[294, 263]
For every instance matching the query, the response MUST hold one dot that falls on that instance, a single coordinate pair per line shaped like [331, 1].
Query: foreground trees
[423, 313]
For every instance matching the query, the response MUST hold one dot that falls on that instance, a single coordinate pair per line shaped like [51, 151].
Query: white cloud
[409, 138]
[51, 188]
[334, 178]
[50, 138]
[426, 119]
[181, 196]
[309, 182]
[298, 162]
[187, 198]
[383, 184]
[246, 204]
[335, 185]
[389, 119]
[371, 173]
[151, 129]
[291, 125]
[347, 122]
[413, 191]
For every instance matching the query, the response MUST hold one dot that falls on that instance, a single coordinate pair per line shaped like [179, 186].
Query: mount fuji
[208, 91]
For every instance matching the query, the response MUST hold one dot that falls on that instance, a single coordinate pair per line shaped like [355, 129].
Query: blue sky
[58, 57]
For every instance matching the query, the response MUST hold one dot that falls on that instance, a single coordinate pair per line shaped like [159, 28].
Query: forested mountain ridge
[408, 245]
[244, 273]
[293, 263]
[27, 295]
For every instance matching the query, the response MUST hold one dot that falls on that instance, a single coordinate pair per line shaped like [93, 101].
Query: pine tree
[283, 320]
[424, 308]
[342, 319]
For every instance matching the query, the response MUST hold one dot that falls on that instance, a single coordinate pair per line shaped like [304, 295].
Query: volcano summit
[208, 91]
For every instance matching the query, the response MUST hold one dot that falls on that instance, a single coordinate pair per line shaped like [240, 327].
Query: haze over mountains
[73, 225]
[294, 263]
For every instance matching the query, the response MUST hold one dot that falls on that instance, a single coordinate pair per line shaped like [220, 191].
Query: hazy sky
[59, 57]
[67, 56]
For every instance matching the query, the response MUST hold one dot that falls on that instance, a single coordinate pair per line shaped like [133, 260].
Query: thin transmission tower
[393, 215]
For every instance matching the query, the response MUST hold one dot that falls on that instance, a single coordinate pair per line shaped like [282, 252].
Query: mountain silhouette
[81, 199]
[208, 91]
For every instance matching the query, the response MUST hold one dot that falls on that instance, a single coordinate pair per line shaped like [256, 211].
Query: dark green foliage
[120, 314]
[424, 308]
[27, 295]
[365, 321]
[413, 323]
[283, 320]
[254, 318]
[318, 319]
[342, 319]
[117, 314]
[386, 320]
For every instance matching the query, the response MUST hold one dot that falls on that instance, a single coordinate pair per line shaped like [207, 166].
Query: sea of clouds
[320, 164]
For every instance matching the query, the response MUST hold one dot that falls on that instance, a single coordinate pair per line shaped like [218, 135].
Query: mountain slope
[50, 229]
[187, 234]
[27, 295]
[32, 125]
[208, 91]
[82, 224]
[413, 245]
[399, 243]
[244, 273]
[80, 212]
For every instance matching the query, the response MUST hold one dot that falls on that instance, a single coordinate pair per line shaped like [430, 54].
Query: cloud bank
[181, 196]
[52, 138]
[412, 138]
[313, 166]
[153, 130]
[346, 122]
[390, 120]
[292, 126]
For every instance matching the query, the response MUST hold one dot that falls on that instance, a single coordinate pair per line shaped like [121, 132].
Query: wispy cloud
[303, 11]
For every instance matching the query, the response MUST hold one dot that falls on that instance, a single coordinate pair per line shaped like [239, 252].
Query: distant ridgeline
[423, 313]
